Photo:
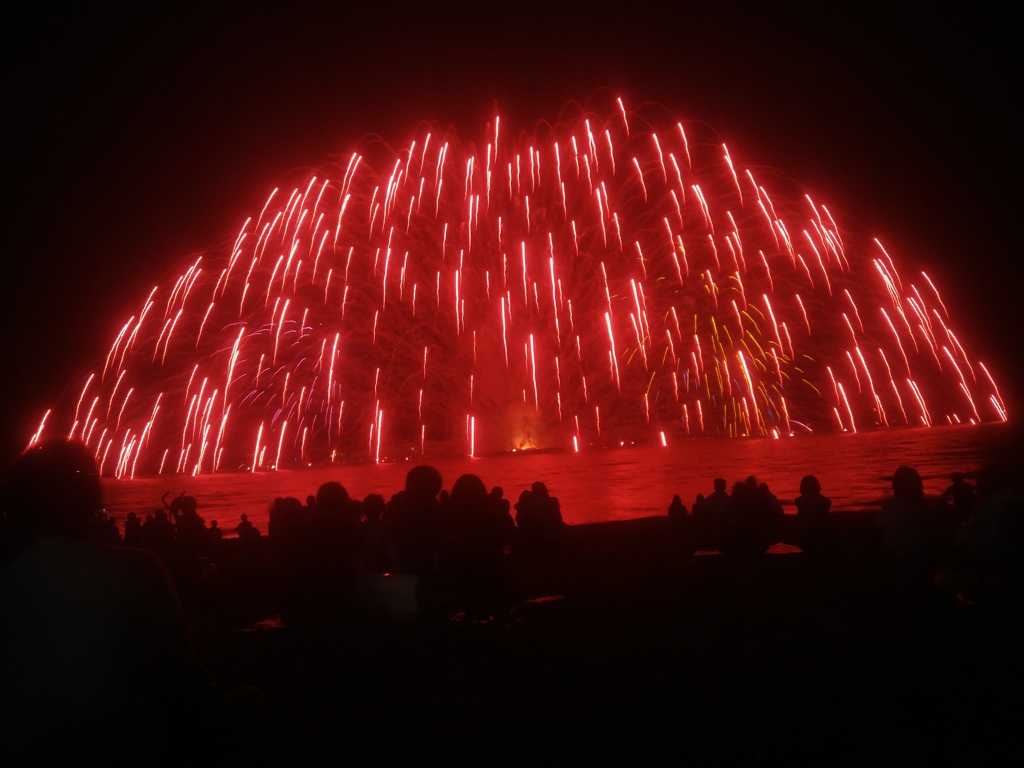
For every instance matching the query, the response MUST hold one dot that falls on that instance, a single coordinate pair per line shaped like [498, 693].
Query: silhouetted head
[285, 506]
[525, 499]
[184, 504]
[540, 491]
[497, 492]
[423, 482]
[54, 490]
[957, 477]
[719, 484]
[809, 486]
[332, 498]
[469, 494]
[907, 484]
[741, 489]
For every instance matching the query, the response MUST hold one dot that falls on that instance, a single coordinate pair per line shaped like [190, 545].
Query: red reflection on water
[623, 483]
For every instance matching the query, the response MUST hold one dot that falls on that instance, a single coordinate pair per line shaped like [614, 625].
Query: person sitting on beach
[527, 525]
[158, 534]
[189, 528]
[501, 510]
[990, 559]
[132, 530]
[544, 527]
[677, 510]
[907, 525]
[813, 528]
[748, 524]
[108, 530]
[708, 514]
[247, 560]
[97, 656]
[245, 530]
[960, 496]
[771, 511]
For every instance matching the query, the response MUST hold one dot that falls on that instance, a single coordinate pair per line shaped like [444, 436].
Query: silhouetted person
[678, 516]
[772, 512]
[330, 551]
[245, 529]
[501, 509]
[373, 535]
[748, 525]
[709, 514]
[107, 530]
[97, 660]
[527, 523]
[284, 520]
[286, 544]
[813, 529]
[908, 526]
[132, 530]
[189, 528]
[415, 529]
[677, 510]
[960, 496]
[693, 522]
[990, 561]
[214, 532]
[215, 542]
[471, 566]
[246, 561]
[158, 534]
[549, 514]
[336, 524]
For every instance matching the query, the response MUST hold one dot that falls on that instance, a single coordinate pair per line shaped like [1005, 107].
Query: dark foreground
[625, 648]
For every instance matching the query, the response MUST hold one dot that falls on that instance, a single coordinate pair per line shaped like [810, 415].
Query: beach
[625, 646]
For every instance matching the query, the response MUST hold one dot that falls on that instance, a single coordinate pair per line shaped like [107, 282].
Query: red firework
[609, 278]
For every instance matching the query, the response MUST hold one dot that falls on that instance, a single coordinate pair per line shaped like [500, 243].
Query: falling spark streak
[256, 448]
[925, 416]
[849, 411]
[732, 170]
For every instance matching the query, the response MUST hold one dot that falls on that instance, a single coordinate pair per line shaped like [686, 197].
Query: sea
[618, 483]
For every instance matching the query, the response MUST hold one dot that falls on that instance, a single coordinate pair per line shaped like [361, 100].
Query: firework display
[612, 277]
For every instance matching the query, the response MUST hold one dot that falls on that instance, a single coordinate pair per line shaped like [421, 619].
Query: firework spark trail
[617, 251]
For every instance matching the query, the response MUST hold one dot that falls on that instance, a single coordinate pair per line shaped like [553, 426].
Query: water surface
[622, 483]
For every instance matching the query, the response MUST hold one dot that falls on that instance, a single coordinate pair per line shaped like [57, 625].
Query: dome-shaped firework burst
[614, 277]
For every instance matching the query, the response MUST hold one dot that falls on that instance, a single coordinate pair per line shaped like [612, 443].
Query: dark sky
[133, 139]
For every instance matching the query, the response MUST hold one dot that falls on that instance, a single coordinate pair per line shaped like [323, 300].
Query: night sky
[133, 141]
